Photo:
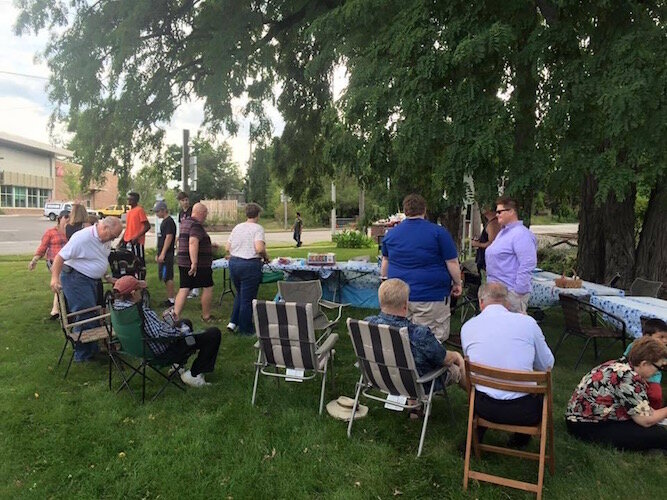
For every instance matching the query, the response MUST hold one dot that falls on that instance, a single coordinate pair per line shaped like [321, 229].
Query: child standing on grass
[656, 328]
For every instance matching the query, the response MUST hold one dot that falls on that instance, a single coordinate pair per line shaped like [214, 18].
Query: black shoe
[54, 317]
[168, 303]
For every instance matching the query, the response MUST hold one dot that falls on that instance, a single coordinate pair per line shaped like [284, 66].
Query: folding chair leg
[354, 406]
[469, 437]
[583, 351]
[71, 358]
[560, 341]
[324, 384]
[143, 383]
[595, 348]
[62, 353]
[427, 413]
[254, 385]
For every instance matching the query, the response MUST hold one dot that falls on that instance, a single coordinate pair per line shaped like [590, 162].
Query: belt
[68, 269]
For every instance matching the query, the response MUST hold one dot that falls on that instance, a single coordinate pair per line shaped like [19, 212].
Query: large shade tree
[516, 91]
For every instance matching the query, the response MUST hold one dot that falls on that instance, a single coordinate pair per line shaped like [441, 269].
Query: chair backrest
[286, 334]
[303, 292]
[571, 313]
[385, 358]
[645, 288]
[128, 327]
[508, 380]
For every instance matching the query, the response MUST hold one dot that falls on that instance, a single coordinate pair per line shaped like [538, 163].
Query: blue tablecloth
[355, 283]
[632, 309]
[545, 293]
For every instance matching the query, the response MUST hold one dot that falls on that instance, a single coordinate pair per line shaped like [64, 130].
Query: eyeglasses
[498, 212]
[659, 367]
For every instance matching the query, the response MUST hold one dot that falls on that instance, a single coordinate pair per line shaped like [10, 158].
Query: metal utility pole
[185, 160]
[333, 210]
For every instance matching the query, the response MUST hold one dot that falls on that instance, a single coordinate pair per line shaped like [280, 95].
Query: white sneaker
[232, 327]
[197, 381]
[193, 293]
[175, 367]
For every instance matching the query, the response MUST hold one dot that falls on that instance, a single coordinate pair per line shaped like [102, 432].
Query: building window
[6, 196]
[20, 197]
[33, 197]
[44, 195]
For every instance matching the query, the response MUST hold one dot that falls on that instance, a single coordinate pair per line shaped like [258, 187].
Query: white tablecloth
[632, 309]
[545, 292]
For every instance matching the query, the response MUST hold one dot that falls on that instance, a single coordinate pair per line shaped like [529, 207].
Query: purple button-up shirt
[511, 258]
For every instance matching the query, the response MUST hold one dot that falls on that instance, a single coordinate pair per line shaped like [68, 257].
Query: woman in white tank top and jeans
[247, 250]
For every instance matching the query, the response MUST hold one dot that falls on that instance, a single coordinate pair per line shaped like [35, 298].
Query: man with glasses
[512, 256]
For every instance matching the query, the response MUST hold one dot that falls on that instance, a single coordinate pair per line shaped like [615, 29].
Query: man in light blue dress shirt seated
[511, 341]
[512, 256]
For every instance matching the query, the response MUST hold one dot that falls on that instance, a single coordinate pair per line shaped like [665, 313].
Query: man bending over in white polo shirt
[78, 267]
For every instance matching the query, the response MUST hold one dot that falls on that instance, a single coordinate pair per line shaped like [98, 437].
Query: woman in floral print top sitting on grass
[610, 405]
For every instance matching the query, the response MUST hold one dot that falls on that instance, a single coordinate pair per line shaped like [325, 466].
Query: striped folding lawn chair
[287, 341]
[387, 365]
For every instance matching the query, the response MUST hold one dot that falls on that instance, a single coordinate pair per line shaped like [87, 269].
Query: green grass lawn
[74, 438]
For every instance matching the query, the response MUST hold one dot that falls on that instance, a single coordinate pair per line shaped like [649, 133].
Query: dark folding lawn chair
[603, 325]
[132, 341]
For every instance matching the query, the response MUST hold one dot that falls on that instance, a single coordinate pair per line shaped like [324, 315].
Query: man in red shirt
[136, 227]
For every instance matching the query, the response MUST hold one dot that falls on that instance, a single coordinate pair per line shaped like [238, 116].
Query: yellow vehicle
[113, 211]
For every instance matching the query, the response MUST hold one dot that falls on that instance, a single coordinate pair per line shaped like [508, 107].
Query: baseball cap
[159, 205]
[128, 284]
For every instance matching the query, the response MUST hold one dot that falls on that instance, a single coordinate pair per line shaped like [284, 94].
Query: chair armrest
[328, 344]
[333, 305]
[432, 375]
[605, 313]
[82, 311]
[89, 320]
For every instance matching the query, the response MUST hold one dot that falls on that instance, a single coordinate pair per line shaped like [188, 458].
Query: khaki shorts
[435, 315]
[518, 303]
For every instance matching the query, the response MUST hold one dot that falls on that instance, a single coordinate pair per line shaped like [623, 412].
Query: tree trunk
[651, 256]
[618, 226]
[451, 220]
[591, 249]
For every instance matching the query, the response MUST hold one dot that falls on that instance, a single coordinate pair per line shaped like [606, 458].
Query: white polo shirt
[242, 240]
[86, 253]
[503, 339]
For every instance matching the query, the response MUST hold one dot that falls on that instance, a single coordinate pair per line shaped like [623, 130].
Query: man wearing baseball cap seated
[127, 293]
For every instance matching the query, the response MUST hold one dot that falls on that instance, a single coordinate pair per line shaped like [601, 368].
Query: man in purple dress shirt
[512, 256]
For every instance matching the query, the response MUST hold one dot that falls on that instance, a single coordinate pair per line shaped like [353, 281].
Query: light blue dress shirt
[503, 339]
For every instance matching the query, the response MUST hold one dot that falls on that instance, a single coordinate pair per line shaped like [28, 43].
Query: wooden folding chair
[538, 383]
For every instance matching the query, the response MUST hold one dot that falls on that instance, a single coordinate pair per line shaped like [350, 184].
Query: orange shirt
[134, 224]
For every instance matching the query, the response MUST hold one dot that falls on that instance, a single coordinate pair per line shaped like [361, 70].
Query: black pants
[624, 435]
[207, 343]
[526, 410]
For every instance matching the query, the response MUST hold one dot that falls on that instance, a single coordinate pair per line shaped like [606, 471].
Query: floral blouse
[611, 391]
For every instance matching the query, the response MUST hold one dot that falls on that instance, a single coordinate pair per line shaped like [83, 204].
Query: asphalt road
[21, 234]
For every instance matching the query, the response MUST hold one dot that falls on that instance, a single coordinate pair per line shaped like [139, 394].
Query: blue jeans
[81, 293]
[246, 274]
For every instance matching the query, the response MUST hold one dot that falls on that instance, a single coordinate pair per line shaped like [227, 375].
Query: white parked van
[52, 209]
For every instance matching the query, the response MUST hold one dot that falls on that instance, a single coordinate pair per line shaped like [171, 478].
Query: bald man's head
[199, 212]
[109, 228]
[492, 293]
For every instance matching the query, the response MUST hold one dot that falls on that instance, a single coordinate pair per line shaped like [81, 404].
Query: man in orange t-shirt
[136, 227]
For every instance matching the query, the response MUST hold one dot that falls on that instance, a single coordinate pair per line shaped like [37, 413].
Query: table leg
[226, 285]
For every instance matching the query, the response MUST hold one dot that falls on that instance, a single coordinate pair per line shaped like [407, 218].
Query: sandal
[209, 320]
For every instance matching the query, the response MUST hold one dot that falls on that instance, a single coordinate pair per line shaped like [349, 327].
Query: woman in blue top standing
[423, 255]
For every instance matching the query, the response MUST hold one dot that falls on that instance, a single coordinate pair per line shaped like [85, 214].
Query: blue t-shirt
[417, 250]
